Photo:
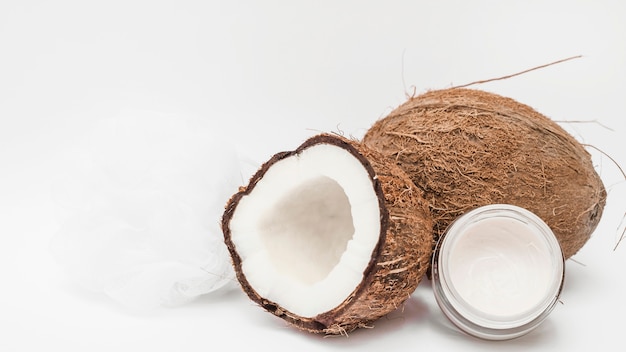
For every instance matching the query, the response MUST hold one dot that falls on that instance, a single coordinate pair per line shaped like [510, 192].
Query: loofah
[145, 194]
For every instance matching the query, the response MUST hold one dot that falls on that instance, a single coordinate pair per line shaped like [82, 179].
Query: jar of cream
[497, 272]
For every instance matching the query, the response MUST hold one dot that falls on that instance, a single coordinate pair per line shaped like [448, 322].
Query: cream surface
[500, 267]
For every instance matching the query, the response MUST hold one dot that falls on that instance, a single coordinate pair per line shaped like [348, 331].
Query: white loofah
[147, 193]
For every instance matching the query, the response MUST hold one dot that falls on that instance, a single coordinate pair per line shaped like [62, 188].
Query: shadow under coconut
[410, 315]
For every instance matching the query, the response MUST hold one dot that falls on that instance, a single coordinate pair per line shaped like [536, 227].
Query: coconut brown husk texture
[466, 148]
[397, 264]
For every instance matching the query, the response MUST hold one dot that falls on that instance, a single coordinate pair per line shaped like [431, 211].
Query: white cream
[500, 267]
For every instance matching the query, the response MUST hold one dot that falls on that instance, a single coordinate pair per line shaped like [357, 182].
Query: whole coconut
[468, 148]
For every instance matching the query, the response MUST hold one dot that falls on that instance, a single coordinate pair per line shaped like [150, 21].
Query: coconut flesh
[329, 237]
[467, 148]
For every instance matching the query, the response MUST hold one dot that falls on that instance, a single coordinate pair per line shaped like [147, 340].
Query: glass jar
[497, 272]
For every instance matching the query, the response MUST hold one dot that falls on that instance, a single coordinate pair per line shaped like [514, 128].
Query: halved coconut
[329, 237]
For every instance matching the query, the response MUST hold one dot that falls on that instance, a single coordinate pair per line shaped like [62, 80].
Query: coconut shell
[398, 262]
[467, 148]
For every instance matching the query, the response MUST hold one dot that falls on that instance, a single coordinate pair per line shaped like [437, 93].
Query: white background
[270, 74]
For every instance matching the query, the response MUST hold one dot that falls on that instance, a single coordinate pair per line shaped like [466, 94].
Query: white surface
[271, 74]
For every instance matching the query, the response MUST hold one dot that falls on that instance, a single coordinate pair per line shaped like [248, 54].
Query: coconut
[329, 237]
[467, 148]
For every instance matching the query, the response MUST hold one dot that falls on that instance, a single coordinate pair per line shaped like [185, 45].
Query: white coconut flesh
[307, 231]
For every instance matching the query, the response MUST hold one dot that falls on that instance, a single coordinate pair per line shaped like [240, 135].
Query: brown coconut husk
[467, 148]
[398, 263]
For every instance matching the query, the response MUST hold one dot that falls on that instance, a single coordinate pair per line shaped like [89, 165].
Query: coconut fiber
[467, 148]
